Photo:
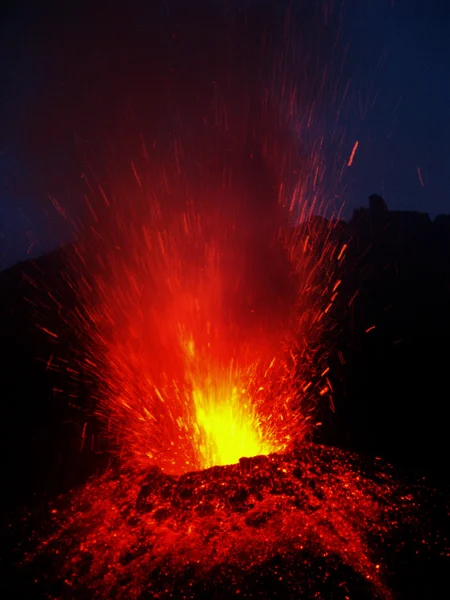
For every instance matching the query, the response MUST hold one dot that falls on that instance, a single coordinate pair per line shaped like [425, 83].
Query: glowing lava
[202, 329]
[230, 430]
[310, 524]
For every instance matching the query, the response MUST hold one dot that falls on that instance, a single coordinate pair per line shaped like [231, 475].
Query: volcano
[311, 523]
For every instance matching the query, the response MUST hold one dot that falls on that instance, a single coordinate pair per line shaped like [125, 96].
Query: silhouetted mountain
[40, 428]
[394, 317]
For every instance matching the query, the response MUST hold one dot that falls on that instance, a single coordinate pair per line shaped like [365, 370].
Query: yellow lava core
[226, 421]
[229, 429]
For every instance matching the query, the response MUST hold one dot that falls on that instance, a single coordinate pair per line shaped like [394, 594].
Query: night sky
[70, 78]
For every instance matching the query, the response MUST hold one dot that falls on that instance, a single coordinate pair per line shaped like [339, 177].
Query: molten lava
[229, 428]
[202, 328]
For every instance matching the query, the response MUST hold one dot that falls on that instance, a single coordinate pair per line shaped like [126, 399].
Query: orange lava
[229, 427]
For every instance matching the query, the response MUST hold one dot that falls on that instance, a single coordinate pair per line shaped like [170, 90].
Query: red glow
[199, 356]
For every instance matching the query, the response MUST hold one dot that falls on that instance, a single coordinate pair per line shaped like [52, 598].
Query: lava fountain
[203, 284]
[202, 339]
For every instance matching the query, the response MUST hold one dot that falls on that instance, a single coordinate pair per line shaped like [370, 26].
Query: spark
[419, 173]
[340, 256]
[352, 155]
[48, 332]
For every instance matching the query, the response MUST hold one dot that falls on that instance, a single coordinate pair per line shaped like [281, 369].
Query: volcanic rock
[309, 524]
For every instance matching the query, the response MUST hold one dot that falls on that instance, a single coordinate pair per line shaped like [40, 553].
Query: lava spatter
[312, 522]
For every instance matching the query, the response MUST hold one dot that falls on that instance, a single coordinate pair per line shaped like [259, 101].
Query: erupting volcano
[204, 285]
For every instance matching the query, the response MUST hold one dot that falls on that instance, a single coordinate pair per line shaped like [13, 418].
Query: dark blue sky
[397, 62]
[404, 69]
